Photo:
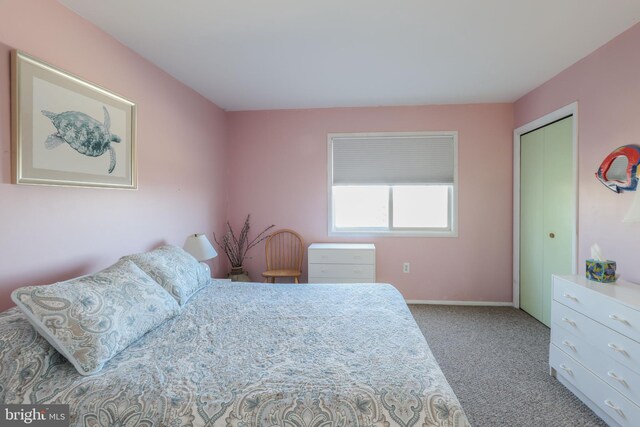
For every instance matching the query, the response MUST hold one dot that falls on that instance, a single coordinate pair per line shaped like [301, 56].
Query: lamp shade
[199, 247]
[633, 214]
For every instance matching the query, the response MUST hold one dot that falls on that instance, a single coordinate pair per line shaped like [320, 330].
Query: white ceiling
[274, 54]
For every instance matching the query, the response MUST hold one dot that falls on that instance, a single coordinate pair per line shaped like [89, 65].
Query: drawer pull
[617, 378]
[615, 407]
[618, 349]
[568, 344]
[569, 296]
[566, 369]
[569, 321]
[618, 318]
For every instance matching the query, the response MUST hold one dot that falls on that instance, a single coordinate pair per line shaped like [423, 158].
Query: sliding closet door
[546, 214]
[531, 222]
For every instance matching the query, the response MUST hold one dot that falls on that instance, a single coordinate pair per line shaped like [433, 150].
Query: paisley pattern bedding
[173, 269]
[92, 318]
[249, 355]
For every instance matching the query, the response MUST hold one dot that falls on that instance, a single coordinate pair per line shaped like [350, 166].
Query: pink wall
[54, 233]
[606, 85]
[278, 173]
[277, 162]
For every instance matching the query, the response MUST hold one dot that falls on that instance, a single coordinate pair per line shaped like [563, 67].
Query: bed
[249, 354]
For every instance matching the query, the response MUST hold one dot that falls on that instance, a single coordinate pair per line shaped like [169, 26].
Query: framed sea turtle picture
[67, 131]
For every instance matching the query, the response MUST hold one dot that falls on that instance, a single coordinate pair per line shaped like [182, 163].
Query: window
[393, 184]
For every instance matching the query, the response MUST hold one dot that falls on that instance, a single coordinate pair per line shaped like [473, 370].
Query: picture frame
[67, 131]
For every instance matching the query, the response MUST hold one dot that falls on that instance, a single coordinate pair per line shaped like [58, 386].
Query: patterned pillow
[92, 318]
[175, 269]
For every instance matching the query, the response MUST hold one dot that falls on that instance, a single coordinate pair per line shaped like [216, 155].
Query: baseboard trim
[476, 303]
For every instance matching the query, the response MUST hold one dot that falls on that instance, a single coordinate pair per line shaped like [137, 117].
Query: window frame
[451, 231]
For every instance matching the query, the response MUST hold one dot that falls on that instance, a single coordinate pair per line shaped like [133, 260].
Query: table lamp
[200, 248]
[633, 214]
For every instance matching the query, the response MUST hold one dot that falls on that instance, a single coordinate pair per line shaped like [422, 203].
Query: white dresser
[342, 263]
[595, 345]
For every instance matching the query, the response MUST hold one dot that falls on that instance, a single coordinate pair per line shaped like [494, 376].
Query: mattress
[249, 354]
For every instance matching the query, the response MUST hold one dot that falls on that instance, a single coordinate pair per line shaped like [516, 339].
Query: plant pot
[238, 274]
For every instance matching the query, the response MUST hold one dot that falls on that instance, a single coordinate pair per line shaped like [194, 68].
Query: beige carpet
[497, 362]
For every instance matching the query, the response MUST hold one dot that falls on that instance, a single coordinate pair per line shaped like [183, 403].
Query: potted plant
[236, 248]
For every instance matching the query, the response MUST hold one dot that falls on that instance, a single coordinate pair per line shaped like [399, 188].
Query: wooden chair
[284, 250]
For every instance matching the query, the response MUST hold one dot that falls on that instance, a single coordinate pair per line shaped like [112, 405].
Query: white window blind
[393, 184]
[393, 160]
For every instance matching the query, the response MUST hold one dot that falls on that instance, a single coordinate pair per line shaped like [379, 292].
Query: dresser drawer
[609, 312]
[603, 339]
[607, 369]
[341, 256]
[342, 270]
[614, 404]
[339, 280]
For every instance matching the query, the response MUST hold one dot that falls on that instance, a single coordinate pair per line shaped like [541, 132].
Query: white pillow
[92, 318]
[174, 269]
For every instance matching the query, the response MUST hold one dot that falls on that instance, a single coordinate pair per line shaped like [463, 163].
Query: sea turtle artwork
[83, 133]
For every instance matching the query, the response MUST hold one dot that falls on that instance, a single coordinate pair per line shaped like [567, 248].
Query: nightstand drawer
[339, 280]
[342, 270]
[341, 256]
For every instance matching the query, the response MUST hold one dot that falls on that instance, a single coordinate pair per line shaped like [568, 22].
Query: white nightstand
[342, 263]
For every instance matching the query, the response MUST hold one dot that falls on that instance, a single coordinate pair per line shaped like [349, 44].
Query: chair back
[284, 250]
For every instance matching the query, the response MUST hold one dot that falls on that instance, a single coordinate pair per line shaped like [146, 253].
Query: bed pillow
[175, 269]
[92, 318]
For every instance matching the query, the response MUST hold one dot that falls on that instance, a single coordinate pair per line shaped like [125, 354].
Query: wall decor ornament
[619, 170]
[67, 131]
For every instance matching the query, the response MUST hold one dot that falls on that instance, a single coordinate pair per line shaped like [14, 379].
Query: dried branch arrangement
[236, 248]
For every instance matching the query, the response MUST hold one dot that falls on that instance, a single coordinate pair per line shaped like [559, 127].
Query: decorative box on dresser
[595, 345]
[342, 263]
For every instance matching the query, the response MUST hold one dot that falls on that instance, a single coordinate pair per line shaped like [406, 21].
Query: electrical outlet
[406, 267]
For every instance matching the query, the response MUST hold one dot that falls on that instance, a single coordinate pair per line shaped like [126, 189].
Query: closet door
[546, 214]
[531, 222]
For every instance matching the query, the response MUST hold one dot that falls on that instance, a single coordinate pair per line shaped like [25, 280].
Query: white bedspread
[249, 354]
